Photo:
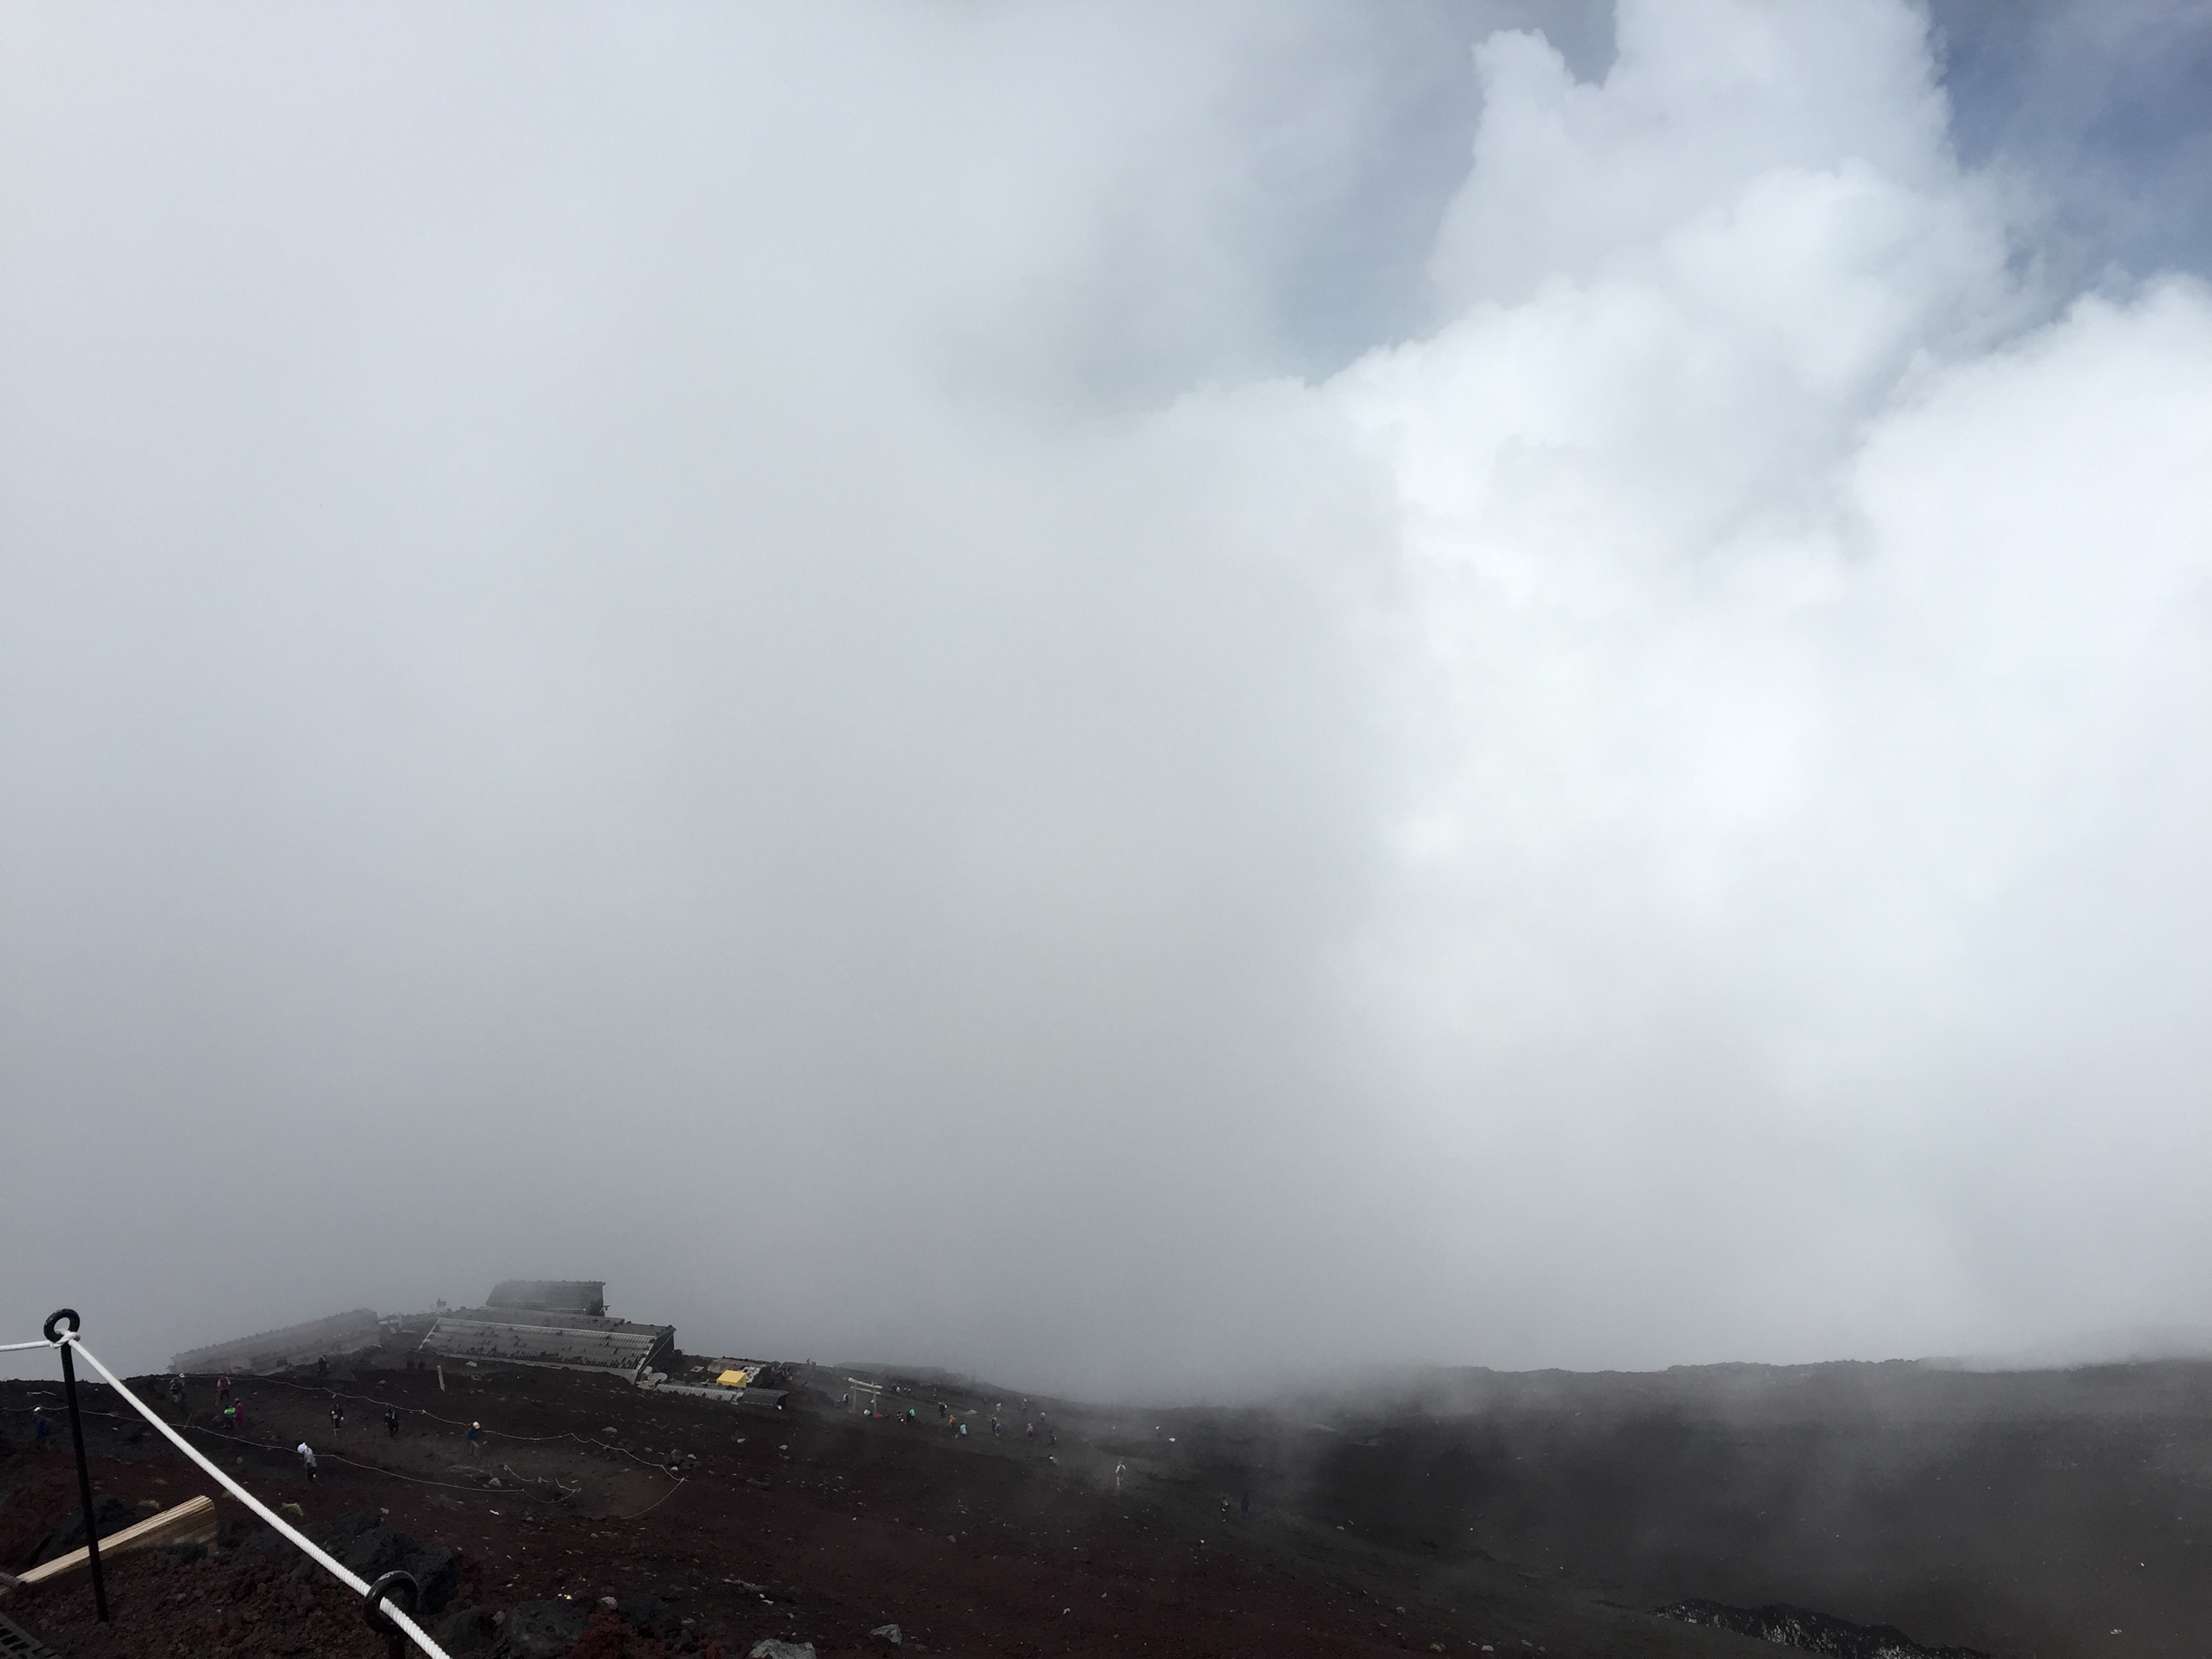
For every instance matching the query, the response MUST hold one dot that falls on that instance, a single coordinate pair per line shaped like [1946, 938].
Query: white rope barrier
[10, 1347]
[397, 1614]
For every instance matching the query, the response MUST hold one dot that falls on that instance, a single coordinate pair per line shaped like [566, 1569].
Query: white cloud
[1798, 659]
[601, 650]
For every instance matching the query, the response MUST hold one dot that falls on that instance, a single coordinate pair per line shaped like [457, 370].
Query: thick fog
[1127, 697]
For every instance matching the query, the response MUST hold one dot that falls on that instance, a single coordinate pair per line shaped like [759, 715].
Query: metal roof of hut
[287, 1345]
[566, 1296]
[569, 1341]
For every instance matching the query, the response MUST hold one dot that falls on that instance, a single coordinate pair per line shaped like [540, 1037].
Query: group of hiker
[232, 1413]
[234, 1418]
[953, 1420]
[958, 1424]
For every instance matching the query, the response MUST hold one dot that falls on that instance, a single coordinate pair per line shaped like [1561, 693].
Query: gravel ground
[808, 1525]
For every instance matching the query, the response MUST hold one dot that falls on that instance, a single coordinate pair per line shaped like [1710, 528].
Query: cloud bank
[787, 660]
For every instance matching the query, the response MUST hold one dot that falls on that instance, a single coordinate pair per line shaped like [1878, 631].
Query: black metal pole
[84, 1469]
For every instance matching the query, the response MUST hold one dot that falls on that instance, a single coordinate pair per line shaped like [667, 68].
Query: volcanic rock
[540, 1630]
[648, 1614]
[362, 1541]
[109, 1515]
[473, 1630]
[1812, 1632]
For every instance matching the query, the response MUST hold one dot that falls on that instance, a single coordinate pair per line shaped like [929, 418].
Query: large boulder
[362, 1541]
[648, 1614]
[249, 1535]
[436, 1570]
[540, 1630]
[110, 1514]
[473, 1630]
[335, 1534]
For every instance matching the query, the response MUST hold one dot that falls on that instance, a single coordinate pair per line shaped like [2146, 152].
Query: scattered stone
[890, 1633]
[772, 1649]
[540, 1630]
[1810, 1631]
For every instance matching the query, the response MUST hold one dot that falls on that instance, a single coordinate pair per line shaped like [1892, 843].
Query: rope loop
[401, 1587]
[53, 1325]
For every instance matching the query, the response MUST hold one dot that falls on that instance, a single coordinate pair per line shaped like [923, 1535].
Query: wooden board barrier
[191, 1522]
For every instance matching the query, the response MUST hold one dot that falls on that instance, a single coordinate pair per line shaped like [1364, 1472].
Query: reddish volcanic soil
[808, 1525]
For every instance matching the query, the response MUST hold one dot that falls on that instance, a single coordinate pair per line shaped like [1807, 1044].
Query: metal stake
[401, 1587]
[84, 1469]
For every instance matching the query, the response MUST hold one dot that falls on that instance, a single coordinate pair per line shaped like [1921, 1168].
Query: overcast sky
[1128, 697]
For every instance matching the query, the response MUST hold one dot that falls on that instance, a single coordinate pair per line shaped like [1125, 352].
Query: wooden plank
[191, 1522]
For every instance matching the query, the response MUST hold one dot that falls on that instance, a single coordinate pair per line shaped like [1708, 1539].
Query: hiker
[39, 1429]
[322, 1368]
[230, 1420]
[1028, 1431]
[308, 1460]
[177, 1390]
[392, 1422]
[1052, 1436]
[337, 1417]
[1225, 1506]
[995, 1430]
[223, 1387]
[963, 1430]
[475, 1437]
[1118, 1468]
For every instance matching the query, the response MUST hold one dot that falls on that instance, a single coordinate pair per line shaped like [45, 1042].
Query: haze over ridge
[867, 670]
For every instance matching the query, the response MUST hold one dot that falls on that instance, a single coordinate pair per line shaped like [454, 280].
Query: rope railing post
[77, 1436]
[392, 1584]
[382, 1598]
